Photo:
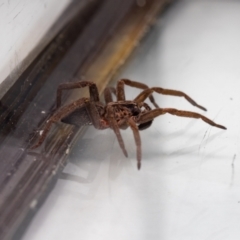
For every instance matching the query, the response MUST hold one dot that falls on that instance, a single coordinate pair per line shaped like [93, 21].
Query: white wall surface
[23, 25]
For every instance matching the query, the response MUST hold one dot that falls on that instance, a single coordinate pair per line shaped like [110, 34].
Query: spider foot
[138, 165]
[220, 126]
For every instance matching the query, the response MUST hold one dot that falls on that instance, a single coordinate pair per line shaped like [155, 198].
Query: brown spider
[119, 114]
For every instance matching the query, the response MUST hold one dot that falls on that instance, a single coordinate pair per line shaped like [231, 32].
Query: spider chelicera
[119, 114]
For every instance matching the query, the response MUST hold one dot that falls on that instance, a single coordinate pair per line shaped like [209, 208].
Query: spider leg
[108, 94]
[137, 138]
[144, 94]
[121, 93]
[157, 112]
[93, 91]
[115, 127]
[61, 113]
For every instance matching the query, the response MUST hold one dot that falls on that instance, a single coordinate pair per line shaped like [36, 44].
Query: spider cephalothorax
[118, 114]
[123, 110]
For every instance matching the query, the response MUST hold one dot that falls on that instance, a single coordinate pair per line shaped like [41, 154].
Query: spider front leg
[61, 113]
[93, 91]
[137, 139]
[146, 93]
[157, 112]
[121, 94]
[115, 127]
[108, 94]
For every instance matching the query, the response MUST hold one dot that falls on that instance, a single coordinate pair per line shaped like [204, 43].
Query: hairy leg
[157, 112]
[146, 93]
[93, 91]
[137, 138]
[121, 93]
[61, 113]
[108, 94]
[115, 127]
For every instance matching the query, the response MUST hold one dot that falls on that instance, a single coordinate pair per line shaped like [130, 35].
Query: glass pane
[188, 185]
